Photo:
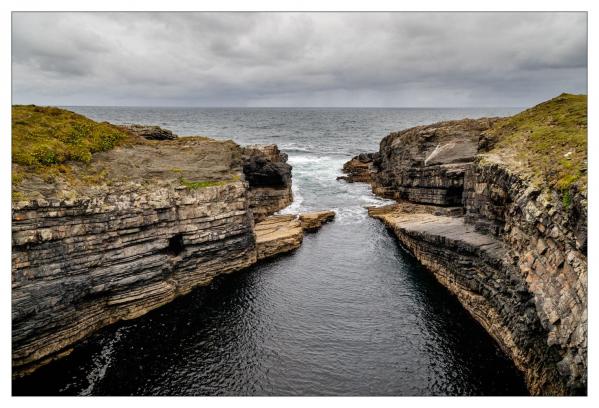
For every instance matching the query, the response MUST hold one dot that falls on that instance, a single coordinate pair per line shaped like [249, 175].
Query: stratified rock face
[278, 234]
[162, 219]
[426, 164]
[78, 266]
[480, 271]
[269, 176]
[516, 260]
[313, 221]
[548, 247]
[151, 132]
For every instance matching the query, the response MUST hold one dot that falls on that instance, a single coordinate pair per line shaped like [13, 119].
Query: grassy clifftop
[60, 154]
[43, 136]
[547, 142]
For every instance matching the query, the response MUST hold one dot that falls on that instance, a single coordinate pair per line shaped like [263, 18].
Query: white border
[292, 5]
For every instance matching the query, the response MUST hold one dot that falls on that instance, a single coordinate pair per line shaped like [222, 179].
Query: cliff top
[547, 142]
[60, 154]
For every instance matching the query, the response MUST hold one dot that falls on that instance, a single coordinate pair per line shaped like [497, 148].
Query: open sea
[349, 313]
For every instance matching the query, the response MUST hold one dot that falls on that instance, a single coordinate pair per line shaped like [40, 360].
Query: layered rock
[278, 234]
[547, 244]
[139, 226]
[313, 221]
[83, 264]
[426, 164]
[517, 258]
[481, 272]
[359, 168]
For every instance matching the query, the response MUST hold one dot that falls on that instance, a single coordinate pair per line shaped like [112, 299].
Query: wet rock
[359, 168]
[313, 221]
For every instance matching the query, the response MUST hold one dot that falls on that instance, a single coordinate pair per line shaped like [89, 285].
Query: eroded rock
[278, 234]
[313, 221]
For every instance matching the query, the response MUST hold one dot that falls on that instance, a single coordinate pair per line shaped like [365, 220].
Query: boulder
[151, 132]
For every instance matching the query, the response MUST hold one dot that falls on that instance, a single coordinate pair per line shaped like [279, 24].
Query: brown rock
[312, 221]
[278, 234]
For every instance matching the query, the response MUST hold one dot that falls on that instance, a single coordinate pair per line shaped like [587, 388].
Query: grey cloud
[297, 59]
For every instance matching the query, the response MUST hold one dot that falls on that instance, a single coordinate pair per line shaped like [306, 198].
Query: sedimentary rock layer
[78, 266]
[313, 221]
[517, 258]
[269, 177]
[160, 219]
[480, 271]
[278, 234]
[425, 164]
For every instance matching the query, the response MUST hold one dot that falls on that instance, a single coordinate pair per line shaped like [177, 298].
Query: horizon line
[284, 107]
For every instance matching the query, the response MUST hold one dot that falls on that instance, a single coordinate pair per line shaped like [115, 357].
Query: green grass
[45, 140]
[193, 185]
[549, 141]
[44, 136]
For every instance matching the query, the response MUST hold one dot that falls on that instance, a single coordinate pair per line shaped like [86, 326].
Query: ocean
[349, 313]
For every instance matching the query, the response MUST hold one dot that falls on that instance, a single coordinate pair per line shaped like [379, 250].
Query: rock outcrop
[313, 221]
[278, 234]
[150, 132]
[503, 239]
[426, 164]
[269, 178]
[130, 231]
[359, 168]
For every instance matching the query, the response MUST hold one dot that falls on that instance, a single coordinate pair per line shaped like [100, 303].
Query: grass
[549, 142]
[194, 185]
[46, 139]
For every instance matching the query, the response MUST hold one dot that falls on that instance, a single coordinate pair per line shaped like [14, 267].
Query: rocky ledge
[313, 221]
[279, 234]
[138, 225]
[499, 216]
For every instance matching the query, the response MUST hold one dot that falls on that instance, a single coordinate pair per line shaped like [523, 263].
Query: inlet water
[349, 313]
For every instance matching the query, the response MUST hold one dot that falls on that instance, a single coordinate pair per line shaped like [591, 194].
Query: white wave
[296, 205]
[101, 363]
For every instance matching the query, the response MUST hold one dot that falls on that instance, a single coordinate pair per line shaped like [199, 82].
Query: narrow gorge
[125, 239]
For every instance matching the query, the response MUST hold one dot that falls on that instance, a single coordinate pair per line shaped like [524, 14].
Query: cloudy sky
[297, 59]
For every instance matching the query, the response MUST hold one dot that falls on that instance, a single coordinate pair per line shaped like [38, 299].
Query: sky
[401, 59]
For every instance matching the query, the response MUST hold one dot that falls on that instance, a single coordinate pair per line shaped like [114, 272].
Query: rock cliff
[137, 225]
[496, 209]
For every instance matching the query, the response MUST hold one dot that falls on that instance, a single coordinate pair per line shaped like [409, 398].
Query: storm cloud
[297, 59]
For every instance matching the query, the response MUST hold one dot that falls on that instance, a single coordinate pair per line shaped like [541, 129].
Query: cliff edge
[496, 208]
[110, 222]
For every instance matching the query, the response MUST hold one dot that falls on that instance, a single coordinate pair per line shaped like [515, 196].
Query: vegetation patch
[45, 139]
[549, 142]
[194, 185]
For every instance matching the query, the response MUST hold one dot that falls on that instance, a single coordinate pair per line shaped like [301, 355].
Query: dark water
[349, 313]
